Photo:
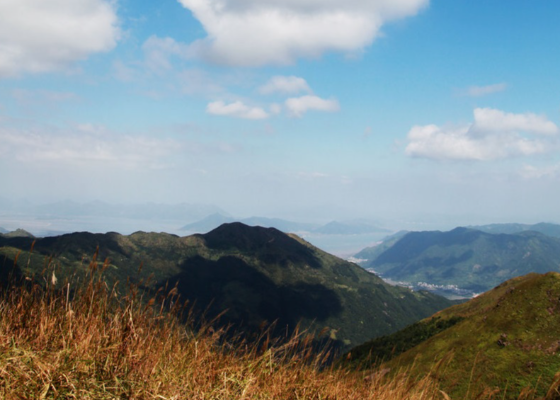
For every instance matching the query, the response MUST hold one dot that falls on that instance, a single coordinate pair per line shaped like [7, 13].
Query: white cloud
[158, 51]
[260, 32]
[42, 36]
[297, 106]
[236, 109]
[286, 85]
[491, 120]
[493, 135]
[479, 91]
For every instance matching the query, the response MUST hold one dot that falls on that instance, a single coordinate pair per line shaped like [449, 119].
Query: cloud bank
[260, 32]
[494, 134]
[42, 36]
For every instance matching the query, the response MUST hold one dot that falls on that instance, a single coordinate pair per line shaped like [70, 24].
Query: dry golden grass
[86, 341]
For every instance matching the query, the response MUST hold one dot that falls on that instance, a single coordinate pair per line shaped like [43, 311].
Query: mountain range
[462, 259]
[353, 227]
[256, 275]
[542, 227]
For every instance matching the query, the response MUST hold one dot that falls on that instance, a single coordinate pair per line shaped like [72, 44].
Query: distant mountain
[280, 224]
[17, 233]
[543, 227]
[467, 258]
[215, 220]
[2, 230]
[257, 274]
[500, 342]
[207, 224]
[349, 228]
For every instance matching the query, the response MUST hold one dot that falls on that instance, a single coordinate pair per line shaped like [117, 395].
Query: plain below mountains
[462, 260]
[502, 344]
[257, 275]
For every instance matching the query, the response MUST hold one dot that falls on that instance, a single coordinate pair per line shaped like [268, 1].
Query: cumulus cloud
[236, 109]
[491, 120]
[285, 85]
[479, 91]
[297, 106]
[42, 36]
[260, 32]
[494, 134]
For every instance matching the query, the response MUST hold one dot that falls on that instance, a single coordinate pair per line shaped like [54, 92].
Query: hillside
[502, 341]
[466, 258]
[371, 253]
[17, 233]
[259, 275]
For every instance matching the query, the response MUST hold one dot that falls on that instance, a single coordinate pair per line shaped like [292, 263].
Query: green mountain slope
[371, 253]
[258, 274]
[17, 233]
[504, 341]
[467, 258]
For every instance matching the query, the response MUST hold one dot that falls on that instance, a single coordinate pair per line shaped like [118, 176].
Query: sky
[300, 109]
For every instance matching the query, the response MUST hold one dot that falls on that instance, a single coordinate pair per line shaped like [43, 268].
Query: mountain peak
[247, 238]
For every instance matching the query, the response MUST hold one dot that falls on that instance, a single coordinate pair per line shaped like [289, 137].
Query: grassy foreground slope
[69, 340]
[258, 275]
[505, 342]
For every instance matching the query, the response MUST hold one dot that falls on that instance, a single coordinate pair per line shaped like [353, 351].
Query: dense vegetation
[257, 275]
[382, 349]
[467, 258]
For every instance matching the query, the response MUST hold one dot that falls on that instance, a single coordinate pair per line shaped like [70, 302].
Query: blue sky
[302, 109]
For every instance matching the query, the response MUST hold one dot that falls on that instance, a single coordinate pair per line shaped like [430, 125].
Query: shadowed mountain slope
[257, 274]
